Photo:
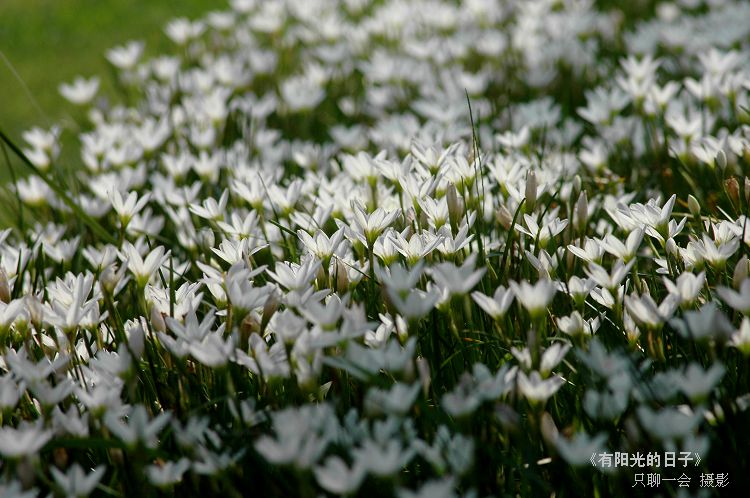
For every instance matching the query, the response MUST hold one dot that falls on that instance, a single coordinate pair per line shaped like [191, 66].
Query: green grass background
[46, 42]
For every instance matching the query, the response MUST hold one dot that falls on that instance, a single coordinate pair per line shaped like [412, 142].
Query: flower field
[418, 248]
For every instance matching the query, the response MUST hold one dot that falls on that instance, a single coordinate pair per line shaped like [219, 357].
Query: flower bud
[504, 217]
[60, 457]
[733, 190]
[36, 311]
[248, 326]
[25, 473]
[4, 287]
[549, 430]
[272, 304]
[570, 260]
[116, 456]
[110, 277]
[530, 191]
[410, 217]
[423, 368]
[322, 277]
[740, 272]
[157, 320]
[721, 160]
[694, 206]
[136, 339]
[206, 238]
[672, 248]
[402, 329]
[342, 277]
[582, 212]
[455, 205]
[577, 183]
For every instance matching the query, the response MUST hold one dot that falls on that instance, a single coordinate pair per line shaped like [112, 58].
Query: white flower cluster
[391, 246]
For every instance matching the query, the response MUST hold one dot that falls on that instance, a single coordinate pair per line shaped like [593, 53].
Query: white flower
[514, 140]
[457, 280]
[271, 362]
[574, 325]
[294, 276]
[236, 251]
[71, 422]
[537, 390]
[435, 488]
[175, 302]
[419, 245]
[13, 489]
[687, 287]
[336, 477]
[715, 254]
[23, 441]
[591, 251]
[544, 233]
[167, 473]
[708, 149]
[142, 269]
[491, 387]
[416, 304]
[127, 208]
[603, 363]
[697, 383]
[464, 399]
[34, 191]
[398, 279]
[398, 400]
[301, 93]
[706, 322]
[10, 392]
[192, 330]
[497, 305]
[210, 209]
[552, 356]
[48, 395]
[370, 225]
[213, 351]
[321, 246]
[126, 56]
[610, 402]
[11, 312]
[646, 313]
[382, 459]
[668, 423]
[535, 298]
[625, 251]
[737, 300]
[452, 245]
[139, 428]
[571, 325]
[301, 435]
[651, 215]
[578, 288]
[211, 463]
[81, 91]
[578, 450]
[75, 482]
[606, 280]
[181, 30]
[741, 337]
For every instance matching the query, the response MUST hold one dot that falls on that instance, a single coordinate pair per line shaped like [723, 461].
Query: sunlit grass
[47, 42]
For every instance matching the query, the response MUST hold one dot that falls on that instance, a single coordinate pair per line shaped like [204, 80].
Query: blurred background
[46, 42]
